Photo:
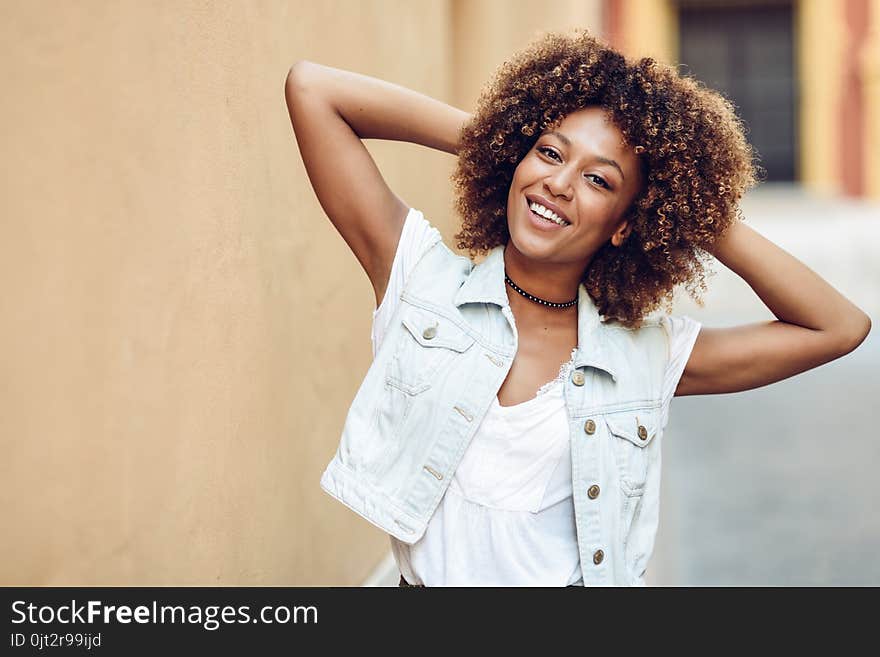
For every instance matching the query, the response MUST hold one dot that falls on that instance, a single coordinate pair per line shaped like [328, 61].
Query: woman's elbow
[297, 77]
[855, 333]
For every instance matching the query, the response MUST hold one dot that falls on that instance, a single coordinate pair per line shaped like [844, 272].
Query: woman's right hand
[331, 111]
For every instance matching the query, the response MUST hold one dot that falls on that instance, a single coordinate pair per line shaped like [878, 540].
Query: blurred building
[804, 75]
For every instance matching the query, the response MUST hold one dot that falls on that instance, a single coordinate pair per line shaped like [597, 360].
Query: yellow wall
[870, 62]
[183, 328]
[820, 21]
[649, 28]
[486, 32]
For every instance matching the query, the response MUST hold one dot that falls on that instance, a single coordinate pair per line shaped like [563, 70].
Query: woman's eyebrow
[605, 160]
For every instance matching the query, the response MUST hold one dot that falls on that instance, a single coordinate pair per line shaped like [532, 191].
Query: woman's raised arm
[331, 111]
[815, 323]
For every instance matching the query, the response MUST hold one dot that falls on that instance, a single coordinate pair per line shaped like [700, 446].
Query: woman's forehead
[591, 127]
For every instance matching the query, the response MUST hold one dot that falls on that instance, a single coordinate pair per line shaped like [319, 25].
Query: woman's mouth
[544, 217]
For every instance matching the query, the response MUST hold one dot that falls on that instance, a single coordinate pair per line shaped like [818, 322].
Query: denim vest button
[577, 378]
[495, 361]
[433, 471]
[598, 555]
[593, 492]
[643, 433]
[429, 332]
[467, 416]
[590, 427]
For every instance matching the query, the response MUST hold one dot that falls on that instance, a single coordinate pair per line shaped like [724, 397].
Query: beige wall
[649, 28]
[486, 32]
[183, 329]
[820, 21]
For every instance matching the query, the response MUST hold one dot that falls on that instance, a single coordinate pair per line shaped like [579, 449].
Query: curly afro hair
[692, 149]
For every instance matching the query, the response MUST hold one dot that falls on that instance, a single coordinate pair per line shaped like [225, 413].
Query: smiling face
[579, 174]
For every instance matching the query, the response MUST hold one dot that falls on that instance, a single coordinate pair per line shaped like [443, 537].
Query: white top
[507, 517]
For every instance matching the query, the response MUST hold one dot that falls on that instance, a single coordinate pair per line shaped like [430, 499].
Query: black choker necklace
[532, 297]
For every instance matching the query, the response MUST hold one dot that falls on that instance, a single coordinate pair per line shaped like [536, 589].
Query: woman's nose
[559, 184]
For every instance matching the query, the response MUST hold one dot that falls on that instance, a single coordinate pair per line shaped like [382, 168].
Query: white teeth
[537, 208]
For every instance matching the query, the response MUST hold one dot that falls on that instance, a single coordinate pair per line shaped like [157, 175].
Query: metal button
[643, 433]
[598, 555]
[590, 427]
[467, 416]
[433, 471]
[429, 332]
[496, 361]
[593, 492]
[577, 378]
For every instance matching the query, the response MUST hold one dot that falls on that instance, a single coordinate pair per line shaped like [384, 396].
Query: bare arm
[815, 323]
[331, 111]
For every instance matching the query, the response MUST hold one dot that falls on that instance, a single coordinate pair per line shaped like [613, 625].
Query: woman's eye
[549, 152]
[600, 180]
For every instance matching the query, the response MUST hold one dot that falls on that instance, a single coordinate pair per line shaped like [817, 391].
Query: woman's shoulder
[418, 237]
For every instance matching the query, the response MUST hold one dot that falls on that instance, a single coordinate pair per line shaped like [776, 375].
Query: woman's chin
[531, 245]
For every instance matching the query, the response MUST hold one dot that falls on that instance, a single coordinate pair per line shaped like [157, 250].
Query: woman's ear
[622, 232]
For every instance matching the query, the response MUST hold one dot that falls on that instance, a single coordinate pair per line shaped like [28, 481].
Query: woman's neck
[557, 283]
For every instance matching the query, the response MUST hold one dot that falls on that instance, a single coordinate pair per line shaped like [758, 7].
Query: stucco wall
[486, 32]
[183, 329]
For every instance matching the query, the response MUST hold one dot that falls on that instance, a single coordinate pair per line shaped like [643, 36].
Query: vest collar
[486, 284]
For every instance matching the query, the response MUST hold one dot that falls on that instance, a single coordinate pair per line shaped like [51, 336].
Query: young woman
[508, 431]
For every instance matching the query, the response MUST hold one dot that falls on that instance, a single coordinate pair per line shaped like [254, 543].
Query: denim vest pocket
[631, 432]
[428, 343]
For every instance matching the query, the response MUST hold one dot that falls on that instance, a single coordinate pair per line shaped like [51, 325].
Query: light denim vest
[448, 349]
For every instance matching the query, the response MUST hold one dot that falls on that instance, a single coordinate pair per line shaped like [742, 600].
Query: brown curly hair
[694, 155]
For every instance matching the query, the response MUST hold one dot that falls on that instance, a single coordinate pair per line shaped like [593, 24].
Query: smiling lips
[539, 207]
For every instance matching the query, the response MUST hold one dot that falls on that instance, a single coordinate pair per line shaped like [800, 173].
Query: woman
[508, 431]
